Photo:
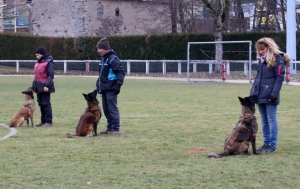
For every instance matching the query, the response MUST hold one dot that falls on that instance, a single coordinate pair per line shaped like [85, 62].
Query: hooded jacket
[268, 81]
[44, 74]
[111, 73]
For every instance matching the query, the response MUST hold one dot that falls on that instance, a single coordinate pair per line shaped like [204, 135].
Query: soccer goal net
[202, 63]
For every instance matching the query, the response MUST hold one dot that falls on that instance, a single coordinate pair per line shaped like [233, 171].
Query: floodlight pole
[291, 33]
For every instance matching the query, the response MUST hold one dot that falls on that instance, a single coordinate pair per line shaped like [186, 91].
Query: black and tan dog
[25, 112]
[243, 133]
[88, 122]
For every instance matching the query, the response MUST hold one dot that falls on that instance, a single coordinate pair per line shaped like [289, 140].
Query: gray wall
[73, 18]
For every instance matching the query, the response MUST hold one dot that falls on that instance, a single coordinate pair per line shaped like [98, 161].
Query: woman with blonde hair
[266, 88]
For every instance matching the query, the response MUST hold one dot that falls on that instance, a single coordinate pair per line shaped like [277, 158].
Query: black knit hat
[40, 50]
[103, 44]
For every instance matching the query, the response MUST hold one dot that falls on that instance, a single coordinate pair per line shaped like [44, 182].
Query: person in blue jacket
[110, 80]
[266, 88]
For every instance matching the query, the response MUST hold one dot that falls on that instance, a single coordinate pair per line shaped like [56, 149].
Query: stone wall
[73, 18]
[1, 17]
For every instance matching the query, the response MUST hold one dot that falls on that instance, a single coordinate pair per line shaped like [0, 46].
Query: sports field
[167, 128]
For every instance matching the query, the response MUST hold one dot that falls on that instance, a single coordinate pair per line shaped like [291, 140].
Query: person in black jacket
[110, 80]
[43, 85]
[266, 88]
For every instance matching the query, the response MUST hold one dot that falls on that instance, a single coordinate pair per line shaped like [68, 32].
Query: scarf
[262, 58]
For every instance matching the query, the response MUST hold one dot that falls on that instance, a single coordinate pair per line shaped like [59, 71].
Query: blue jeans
[268, 114]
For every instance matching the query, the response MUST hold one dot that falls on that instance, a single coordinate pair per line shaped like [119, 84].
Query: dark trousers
[45, 107]
[111, 111]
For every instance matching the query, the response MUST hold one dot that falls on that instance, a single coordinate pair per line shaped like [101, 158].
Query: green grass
[161, 121]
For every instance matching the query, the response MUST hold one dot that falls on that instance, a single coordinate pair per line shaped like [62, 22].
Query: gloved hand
[117, 89]
[272, 98]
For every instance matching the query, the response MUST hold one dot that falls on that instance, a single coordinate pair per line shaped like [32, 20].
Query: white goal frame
[214, 62]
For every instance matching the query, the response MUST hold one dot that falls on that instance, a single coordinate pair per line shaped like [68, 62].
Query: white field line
[165, 115]
[13, 131]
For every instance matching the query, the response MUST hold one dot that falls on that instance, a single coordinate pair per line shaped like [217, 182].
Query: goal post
[189, 61]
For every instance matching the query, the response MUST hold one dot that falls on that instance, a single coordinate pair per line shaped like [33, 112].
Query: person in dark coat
[266, 88]
[43, 85]
[110, 80]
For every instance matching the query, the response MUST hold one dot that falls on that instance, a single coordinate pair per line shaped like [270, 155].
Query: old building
[2, 5]
[72, 18]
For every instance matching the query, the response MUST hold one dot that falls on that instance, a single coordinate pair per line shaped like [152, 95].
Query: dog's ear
[85, 96]
[28, 91]
[93, 98]
[249, 100]
[250, 103]
[94, 93]
[242, 100]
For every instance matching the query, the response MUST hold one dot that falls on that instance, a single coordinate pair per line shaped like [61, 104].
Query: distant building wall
[1, 16]
[72, 18]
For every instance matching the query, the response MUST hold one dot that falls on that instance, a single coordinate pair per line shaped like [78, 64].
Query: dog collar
[30, 100]
[248, 114]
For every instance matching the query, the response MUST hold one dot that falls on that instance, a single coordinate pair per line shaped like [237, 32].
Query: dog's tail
[213, 155]
[68, 135]
[216, 155]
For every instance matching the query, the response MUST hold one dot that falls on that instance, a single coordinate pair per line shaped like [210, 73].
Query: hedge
[143, 47]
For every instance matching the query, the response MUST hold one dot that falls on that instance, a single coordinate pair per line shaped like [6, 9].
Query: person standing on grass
[266, 88]
[43, 85]
[110, 80]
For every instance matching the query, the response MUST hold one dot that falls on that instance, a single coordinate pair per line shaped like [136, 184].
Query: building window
[117, 12]
[100, 12]
[207, 13]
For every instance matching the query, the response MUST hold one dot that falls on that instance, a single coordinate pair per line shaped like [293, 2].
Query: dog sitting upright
[88, 122]
[243, 133]
[25, 112]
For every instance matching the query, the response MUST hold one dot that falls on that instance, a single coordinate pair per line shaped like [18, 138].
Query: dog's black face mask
[248, 103]
[29, 91]
[91, 97]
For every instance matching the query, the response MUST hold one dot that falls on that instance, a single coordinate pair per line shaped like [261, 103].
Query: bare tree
[282, 9]
[178, 10]
[182, 21]
[173, 12]
[219, 9]
[240, 16]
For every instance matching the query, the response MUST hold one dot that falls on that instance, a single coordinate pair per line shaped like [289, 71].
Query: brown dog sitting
[88, 122]
[243, 133]
[25, 112]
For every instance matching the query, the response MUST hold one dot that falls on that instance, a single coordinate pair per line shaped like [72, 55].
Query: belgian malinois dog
[88, 122]
[243, 133]
[25, 112]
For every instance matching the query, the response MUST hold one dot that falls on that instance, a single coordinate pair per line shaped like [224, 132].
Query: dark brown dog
[25, 112]
[243, 133]
[88, 122]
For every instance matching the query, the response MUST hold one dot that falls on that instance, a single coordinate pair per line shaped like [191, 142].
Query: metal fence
[178, 67]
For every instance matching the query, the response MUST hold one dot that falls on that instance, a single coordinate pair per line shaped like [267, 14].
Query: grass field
[167, 129]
